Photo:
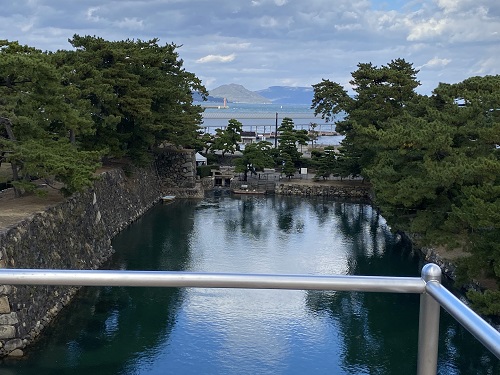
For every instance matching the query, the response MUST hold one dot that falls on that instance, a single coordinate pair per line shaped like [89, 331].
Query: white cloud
[216, 58]
[427, 29]
[349, 27]
[90, 14]
[435, 63]
[261, 43]
[487, 66]
[448, 5]
[456, 24]
[453, 6]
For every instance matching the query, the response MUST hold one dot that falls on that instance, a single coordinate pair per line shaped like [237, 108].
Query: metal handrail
[432, 294]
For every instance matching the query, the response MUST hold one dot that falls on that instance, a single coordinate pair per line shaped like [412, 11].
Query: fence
[432, 295]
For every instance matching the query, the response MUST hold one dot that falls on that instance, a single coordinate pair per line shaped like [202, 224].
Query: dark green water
[226, 331]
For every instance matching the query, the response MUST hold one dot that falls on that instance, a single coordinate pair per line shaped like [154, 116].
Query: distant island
[235, 93]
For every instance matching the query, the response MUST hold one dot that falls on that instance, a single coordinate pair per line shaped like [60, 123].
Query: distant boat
[168, 198]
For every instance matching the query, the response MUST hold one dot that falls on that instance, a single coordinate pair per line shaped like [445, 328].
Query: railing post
[428, 326]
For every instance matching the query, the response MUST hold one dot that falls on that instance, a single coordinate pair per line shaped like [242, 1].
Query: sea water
[266, 118]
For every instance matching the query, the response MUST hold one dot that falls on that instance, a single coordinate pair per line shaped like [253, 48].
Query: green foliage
[37, 120]
[139, 92]
[288, 166]
[434, 162]
[289, 139]
[114, 99]
[206, 143]
[228, 139]
[212, 158]
[382, 93]
[329, 99]
[205, 170]
[316, 154]
[437, 172]
[55, 160]
[328, 164]
[256, 157]
[487, 302]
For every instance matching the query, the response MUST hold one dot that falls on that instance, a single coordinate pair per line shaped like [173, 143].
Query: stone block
[5, 289]
[7, 332]
[7, 319]
[13, 344]
[4, 305]
[16, 353]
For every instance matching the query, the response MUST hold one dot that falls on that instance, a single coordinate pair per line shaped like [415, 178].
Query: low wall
[76, 234]
[323, 190]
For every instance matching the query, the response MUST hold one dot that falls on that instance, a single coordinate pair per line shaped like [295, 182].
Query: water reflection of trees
[373, 326]
[285, 211]
[106, 329]
[249, 218]
[379, 331]
[322, 208]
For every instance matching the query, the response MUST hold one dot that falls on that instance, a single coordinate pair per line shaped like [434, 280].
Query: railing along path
[432, 295]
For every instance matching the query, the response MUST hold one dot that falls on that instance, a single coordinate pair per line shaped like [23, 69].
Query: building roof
[200, 157]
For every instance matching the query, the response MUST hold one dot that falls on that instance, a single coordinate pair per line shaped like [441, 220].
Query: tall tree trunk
[8, 127]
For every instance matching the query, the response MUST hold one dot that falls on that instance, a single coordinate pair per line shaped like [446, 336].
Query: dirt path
[14, 210]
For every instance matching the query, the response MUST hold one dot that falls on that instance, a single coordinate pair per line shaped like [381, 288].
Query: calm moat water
[226, 331]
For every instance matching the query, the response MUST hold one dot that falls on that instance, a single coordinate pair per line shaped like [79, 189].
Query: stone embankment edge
[76, 234]
[338, 191]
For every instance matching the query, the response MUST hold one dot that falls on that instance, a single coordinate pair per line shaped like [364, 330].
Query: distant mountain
[288, 94]
[238, 94]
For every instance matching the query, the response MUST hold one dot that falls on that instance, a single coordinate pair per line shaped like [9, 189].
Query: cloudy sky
[262, 43]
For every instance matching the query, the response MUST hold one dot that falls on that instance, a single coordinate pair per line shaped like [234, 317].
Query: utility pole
[276, 132]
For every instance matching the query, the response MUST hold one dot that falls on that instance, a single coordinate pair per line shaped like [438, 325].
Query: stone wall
[323, 190]
[177, 172]
[76, 234]
[176, 168]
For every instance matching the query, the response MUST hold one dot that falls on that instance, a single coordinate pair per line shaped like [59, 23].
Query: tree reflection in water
[383, 328]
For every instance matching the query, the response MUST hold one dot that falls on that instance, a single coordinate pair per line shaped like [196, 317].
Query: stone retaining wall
[323, 190]
[176, 167]
[76, 234]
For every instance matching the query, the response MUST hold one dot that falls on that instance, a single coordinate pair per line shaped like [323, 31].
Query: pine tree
[228, 139]
[289, 139]
[382, 93]
[256, 157]
[38, 118]
[140, 95]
